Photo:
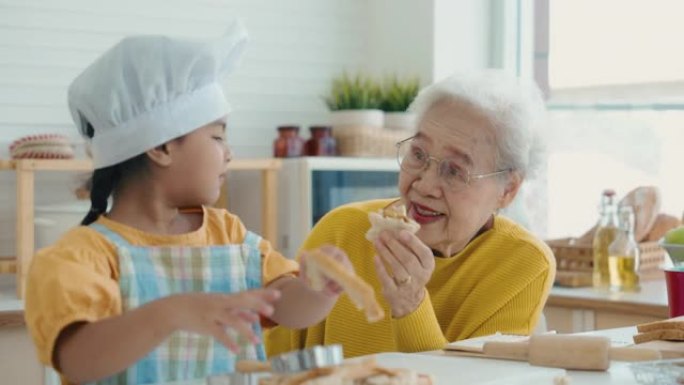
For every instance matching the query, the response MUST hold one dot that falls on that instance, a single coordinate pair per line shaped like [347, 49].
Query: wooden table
[25, 170]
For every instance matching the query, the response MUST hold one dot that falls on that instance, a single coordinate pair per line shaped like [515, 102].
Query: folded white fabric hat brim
[148, 90]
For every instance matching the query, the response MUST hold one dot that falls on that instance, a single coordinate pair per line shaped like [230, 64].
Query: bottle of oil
[623, 255]
[606, 232]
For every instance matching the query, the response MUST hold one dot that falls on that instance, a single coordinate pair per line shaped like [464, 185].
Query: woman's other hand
[410, 264]
[215, 314]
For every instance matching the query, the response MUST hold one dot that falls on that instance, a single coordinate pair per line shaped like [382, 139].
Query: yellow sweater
[499, 282]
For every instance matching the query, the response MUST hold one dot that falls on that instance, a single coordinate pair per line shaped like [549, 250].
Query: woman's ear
[511, 189]
[160, 155]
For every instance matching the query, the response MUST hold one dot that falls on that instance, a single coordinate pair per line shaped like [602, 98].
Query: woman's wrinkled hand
[215, 314]
[330, 287]
[410, 264]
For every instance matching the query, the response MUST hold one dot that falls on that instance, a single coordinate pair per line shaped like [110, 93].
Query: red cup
[674, 279]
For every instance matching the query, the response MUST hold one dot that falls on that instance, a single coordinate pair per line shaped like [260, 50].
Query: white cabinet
[312, 186]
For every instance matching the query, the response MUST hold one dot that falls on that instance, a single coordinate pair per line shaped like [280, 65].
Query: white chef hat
[147, 90]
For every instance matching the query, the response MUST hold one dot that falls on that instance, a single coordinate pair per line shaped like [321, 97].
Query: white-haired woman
[468, 271]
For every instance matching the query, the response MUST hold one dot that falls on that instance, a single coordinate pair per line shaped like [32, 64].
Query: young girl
[149, 291]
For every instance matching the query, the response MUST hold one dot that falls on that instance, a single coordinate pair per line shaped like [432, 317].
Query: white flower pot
[367, 118]
[400, 121]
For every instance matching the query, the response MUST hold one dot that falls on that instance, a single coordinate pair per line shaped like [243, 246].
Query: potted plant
[355, 101]
[397, 95]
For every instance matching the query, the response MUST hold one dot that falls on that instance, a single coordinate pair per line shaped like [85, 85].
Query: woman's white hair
[514, 106]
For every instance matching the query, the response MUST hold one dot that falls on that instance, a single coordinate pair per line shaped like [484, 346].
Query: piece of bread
[43, 146]
[320, 265]
[645, 201]
[672, 323]
[659, 335]
[392, 218]
[662, 225]
[362, 372]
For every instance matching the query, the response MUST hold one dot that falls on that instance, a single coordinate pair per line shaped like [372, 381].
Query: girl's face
[198, 165]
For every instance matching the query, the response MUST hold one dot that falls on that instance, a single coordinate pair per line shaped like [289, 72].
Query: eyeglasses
[414, 159]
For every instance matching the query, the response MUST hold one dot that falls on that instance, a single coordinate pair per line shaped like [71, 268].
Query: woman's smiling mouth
[423, 214]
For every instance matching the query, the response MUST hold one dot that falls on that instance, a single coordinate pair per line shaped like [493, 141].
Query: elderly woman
[467, 271]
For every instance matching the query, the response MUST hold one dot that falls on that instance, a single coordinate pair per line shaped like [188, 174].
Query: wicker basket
[367, 141]
[575, 262]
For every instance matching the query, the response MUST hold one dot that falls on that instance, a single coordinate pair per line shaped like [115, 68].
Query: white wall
[296, 47]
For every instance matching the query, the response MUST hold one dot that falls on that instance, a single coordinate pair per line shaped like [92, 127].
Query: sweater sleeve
[419, 331]
[521, 313]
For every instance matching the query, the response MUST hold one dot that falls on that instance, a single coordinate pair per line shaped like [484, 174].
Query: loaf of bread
[364, 372]
[659, 335]
[667, 330]
[668, 324]
[645, 201]
[662, 225]
[391, 218]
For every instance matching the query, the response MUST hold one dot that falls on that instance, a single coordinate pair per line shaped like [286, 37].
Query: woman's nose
[428, 181]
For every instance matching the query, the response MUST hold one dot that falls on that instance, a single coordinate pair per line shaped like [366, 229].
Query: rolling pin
[567, 352]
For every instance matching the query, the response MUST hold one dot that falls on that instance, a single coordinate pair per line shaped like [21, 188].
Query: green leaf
[354, 93]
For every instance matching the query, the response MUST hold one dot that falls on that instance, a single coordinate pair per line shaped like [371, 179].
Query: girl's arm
[86, 352]
[300, 306]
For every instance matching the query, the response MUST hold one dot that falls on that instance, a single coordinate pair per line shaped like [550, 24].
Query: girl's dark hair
[105, 180]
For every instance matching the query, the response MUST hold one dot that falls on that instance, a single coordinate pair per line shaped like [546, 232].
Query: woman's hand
[214, 313]
[330, 287]
[411, 264]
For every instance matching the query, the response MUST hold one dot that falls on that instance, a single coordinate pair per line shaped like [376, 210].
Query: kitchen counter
[651, 300]
[572, 310]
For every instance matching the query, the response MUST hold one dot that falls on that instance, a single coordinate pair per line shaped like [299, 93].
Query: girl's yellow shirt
[76, 279]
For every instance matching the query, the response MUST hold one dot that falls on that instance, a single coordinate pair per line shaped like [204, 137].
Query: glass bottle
[289, 143]
[321, 143]
[623, 254]
[606, 232]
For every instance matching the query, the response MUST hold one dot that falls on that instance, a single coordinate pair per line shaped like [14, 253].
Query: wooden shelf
[25, 192]
[6, 164]
[87, 165]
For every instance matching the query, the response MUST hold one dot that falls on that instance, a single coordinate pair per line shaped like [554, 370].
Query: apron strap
[113, 236]
[252, 240]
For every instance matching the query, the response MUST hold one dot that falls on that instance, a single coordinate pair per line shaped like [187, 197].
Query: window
[616, 105]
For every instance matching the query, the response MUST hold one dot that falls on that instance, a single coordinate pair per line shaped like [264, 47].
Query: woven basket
[367, 141]
[575, 262]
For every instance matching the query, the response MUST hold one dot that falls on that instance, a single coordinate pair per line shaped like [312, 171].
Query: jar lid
[320, 128]
[288, 128]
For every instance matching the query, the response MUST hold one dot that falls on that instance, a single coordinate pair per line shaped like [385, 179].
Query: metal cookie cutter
[306, 359]
[249, 372]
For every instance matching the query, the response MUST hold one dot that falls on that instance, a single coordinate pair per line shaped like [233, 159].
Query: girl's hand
[213, 313]
[411, 263]
[331, 288]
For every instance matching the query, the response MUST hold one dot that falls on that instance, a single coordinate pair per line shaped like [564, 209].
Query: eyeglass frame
[438, 161]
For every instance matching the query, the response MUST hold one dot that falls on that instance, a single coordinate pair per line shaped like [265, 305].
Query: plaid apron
[150, 273]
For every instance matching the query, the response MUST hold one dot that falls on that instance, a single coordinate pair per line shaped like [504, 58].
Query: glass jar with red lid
[288, 144]
[321, 143]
